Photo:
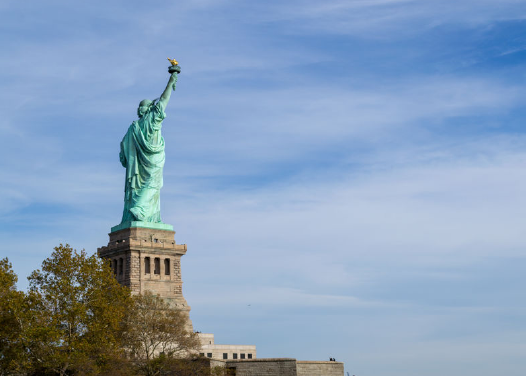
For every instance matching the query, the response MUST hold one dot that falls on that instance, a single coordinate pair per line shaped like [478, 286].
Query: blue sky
[352, 170]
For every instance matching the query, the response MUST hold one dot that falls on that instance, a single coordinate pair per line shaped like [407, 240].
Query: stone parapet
[284, 367]
[319, 368]
[264, 367]
[141, 238]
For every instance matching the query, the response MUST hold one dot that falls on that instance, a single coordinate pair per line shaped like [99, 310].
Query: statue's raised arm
[165, 96]
[142, 154]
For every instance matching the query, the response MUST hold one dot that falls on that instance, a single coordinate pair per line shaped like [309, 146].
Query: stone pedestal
[147, 259]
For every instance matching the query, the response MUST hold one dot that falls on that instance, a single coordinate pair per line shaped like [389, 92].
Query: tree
[193, 366]
[76, 319]
[77, 314]
[12, 303]
[156, 335]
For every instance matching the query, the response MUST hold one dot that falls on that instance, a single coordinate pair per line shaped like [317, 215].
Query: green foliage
[188, 366]
[78, 310]
[12, 303]
[76, 319]
[8, 278]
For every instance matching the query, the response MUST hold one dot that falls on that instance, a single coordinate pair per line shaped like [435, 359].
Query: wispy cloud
[387, 19]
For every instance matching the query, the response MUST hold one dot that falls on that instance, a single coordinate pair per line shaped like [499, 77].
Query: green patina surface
[156, 226]
[142, 154]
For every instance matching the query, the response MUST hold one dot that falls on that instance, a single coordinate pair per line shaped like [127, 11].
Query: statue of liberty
[142, 154]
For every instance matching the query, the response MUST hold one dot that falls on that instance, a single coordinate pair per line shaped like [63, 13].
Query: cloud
[349, 233]
[387, 19]
[276, 297]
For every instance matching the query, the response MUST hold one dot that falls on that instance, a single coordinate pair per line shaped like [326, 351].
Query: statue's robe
[142, 153]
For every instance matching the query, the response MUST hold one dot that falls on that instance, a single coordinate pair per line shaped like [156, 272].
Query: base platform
[152, 225]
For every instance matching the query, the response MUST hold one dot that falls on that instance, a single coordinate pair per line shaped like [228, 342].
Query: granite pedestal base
[148, 259]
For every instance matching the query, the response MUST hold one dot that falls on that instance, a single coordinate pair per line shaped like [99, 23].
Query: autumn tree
[78, 311]
[76, 319]
[157, 335]
[12, 306]
[188, 366]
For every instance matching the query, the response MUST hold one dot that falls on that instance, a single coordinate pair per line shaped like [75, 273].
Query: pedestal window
[166, 266]
[146, 265]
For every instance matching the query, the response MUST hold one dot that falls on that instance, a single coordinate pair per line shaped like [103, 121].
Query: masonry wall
[319, 368]
[134, 254]
[264, 367]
